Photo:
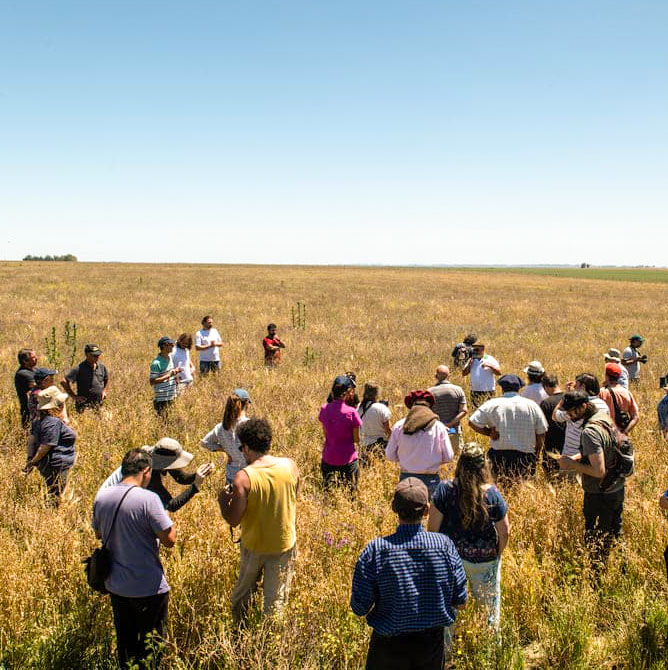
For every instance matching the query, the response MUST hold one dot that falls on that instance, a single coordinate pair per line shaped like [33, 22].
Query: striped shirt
[409, 581]
[164, 390]
[450, 400]
[574, 428]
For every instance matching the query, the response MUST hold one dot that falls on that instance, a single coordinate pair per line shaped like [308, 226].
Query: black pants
[603, 521]
[422, 650]
[55, 480]
[345, 474]
[162, 406]
[511, 464]
[134, 619]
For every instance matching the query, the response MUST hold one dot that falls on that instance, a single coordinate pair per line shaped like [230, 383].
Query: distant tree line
[66, 257]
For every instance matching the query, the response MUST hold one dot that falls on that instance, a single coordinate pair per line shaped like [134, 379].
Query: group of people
[409, 585]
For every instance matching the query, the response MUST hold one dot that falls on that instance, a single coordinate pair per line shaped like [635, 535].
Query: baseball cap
[344, 382]
[410, 496]
[510, 383]
[534, 368]
[242, 394]
[613, 370]
[43, 373]
[92, 349]
[637, 336]
[165, 340]
[573, 399]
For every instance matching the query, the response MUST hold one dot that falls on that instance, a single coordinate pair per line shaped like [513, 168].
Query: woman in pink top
[420, 442]
[341, 424]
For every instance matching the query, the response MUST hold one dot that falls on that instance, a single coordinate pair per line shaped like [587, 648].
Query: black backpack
[618, 451]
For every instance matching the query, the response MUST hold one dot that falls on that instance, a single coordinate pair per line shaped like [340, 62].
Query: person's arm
[635, 414]
[502, 533]
[41, 452]
[65, 383]
[210, 441]
[435, 519]
[387, 428]
[181, 477]
[280, 343]
[540, 443]
[167, 537]
[466, 370]
[487, 431]
[233, 505]
[106, 383]
[444, 446]
[392, 448]
[632, 424]
[356, 435]
[596, 467]
[492, 365]
[363, 592]
[455, 421]
[163, 377]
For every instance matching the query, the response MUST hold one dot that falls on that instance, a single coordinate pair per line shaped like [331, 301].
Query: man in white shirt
[534, 389]
[631, 357]
[208, 343]
[517, 428]
[482, 367]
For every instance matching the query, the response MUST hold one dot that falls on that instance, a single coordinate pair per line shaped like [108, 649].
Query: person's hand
[494, 433]
[202, 473]
[566, 463]
[570, 386]
[28, 468]
[225, 496]
[104, 395]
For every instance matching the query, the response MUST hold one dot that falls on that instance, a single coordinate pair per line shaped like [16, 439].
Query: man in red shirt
[620, 401]
[272, 347]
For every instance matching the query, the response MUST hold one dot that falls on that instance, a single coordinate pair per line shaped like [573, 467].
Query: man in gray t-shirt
[450, 404]
[602, 510]
[137, 584]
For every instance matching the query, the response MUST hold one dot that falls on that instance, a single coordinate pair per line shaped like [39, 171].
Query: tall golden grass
[390, 325]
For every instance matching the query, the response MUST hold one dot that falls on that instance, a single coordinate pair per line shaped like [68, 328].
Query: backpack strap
[118, 507]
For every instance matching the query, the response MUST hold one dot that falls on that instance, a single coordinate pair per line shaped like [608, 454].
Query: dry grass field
[389, 325]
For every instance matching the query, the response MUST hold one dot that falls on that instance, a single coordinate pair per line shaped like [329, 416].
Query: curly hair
[255, 434]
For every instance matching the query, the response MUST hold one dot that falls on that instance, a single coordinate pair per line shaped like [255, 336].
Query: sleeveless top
[268, 525]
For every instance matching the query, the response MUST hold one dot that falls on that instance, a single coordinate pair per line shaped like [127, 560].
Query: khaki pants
[455, 443]
[278, 572]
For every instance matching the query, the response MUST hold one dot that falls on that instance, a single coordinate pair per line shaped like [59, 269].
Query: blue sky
[335, 132]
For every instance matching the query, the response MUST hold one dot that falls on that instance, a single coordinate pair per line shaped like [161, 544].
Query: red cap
[613, 370]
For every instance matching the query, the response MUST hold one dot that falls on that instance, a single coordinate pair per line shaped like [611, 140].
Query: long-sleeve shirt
[409, 581]
[422, 452]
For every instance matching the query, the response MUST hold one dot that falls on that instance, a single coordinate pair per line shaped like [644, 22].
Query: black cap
[92, 349]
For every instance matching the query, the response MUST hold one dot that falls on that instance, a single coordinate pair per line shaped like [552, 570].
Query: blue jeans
[430, 481]
[208, 366]
[485, 582]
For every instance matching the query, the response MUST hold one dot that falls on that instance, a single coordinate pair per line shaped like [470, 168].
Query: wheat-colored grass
[390, 325]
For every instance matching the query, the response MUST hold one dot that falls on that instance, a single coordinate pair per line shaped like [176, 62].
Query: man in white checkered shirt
[516, 426]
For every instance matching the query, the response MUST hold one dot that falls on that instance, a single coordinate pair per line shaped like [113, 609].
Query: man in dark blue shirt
[409, 585]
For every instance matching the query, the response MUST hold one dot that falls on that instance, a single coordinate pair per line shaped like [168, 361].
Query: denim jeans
[430, 481]
[485, 582]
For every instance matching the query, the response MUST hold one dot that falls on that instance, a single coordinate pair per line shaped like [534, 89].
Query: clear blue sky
[390, 132]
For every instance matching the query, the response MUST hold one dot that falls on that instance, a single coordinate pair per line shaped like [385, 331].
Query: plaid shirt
[408, 581]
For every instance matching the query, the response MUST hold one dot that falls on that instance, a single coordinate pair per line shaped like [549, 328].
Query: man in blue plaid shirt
[410, 586]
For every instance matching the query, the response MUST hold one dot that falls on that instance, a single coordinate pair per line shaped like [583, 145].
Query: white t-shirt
[534, 392]
[220, 439]
[204, 338]
[372, 423]
[482, 379]
[181, 357]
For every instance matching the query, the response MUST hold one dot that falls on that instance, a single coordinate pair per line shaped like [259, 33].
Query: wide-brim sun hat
[534, 368]
[168, 454]
[51, 398]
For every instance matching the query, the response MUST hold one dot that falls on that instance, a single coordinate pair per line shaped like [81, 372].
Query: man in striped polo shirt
[409, 585]
[163, 375]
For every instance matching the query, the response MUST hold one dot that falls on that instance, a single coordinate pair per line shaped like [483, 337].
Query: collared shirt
[534, 392]
[518, 420]
[482, 378]
[574, 428]
[408, 581]
[90, 380]
[630, 362]
[24, 380]
[450, 400]
[421, 452]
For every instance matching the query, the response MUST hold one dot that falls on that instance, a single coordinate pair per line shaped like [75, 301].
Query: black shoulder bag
[622, 418]
[98, 565]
